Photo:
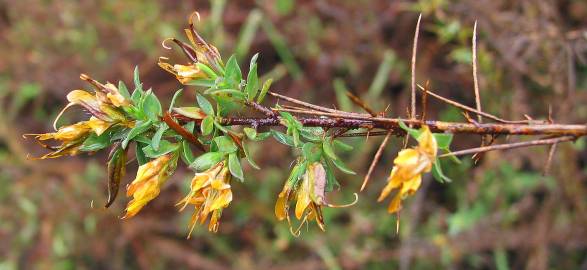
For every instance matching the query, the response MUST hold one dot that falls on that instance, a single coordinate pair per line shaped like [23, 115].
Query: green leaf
[249, 157]
[309, 135]
[225, 144]
[202, 82]
[207, 160]
[164, 148]
[186, 152]
[205, 104]
[343, 146]
[95, 142]
[141, 158]
[328, 148]
[296, 173]
[341, 166]
[151, 106]
[331, 182]
[228, 93]
[443, 140]
[291, 120]
[296, 136]
[140, 127]
[250, 132]
[312, 152]
[234, 165]
[264, 90]
[157, 136]
[252, 86]
[438, 174]
[123, 90]
[282, 138]
[233, 74]
[207, 70]
[137, 80]
[175, 96]
[207, 125]
[413, 132]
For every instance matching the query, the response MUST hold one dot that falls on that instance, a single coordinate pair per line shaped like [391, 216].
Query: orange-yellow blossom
[147, 184]
[210, 193]
[309, 195]
[409, 165]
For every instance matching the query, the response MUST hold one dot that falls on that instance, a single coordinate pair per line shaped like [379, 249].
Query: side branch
[436, 126]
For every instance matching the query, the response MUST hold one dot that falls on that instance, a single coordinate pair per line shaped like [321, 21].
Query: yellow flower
[409, 165]
[98, 126]
[309, 195]
[210, 193]
[71, 138]
[147, 184]
[184, 74]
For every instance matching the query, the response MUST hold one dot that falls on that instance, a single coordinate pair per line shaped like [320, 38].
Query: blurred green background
[498, 214]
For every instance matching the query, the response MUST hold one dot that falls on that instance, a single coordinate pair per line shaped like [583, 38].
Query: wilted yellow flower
[184, 74]
[210, 193]
[409, 165]
[309, 195]
[71, 138]
[147, 184]
[198, 52]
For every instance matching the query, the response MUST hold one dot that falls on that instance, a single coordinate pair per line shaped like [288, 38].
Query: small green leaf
[342, 146]
[413, 132]
[95, 142]
[205, 104]
[157, 136]
[312, 152]
[233, 74]
[252, 86]
[207, 70]
[164, 148]
[207, 160]
[331, 182]
[264, 90]
[328, 148]
[175, 96]
[234, 165]
[249, 157]
[443, 140]
[207, 125]
[228, 93]
[282, 138]
[186, 152]
[296, 173]
[123, 90]
[438, 174]
[202, 83]
[151, 106]
[310, 136]
[225, 144]
[341, 166]
[141, 158]
[250, 132]
[140, 127]
[137, 80]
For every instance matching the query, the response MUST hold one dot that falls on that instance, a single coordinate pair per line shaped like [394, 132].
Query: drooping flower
[409, 165]
[199, 51]
[147, 184]
[210, 193]
[184, 74]
[309, 195]
[71, 138]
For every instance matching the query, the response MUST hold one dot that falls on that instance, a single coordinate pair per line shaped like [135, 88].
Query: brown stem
[510, 146]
